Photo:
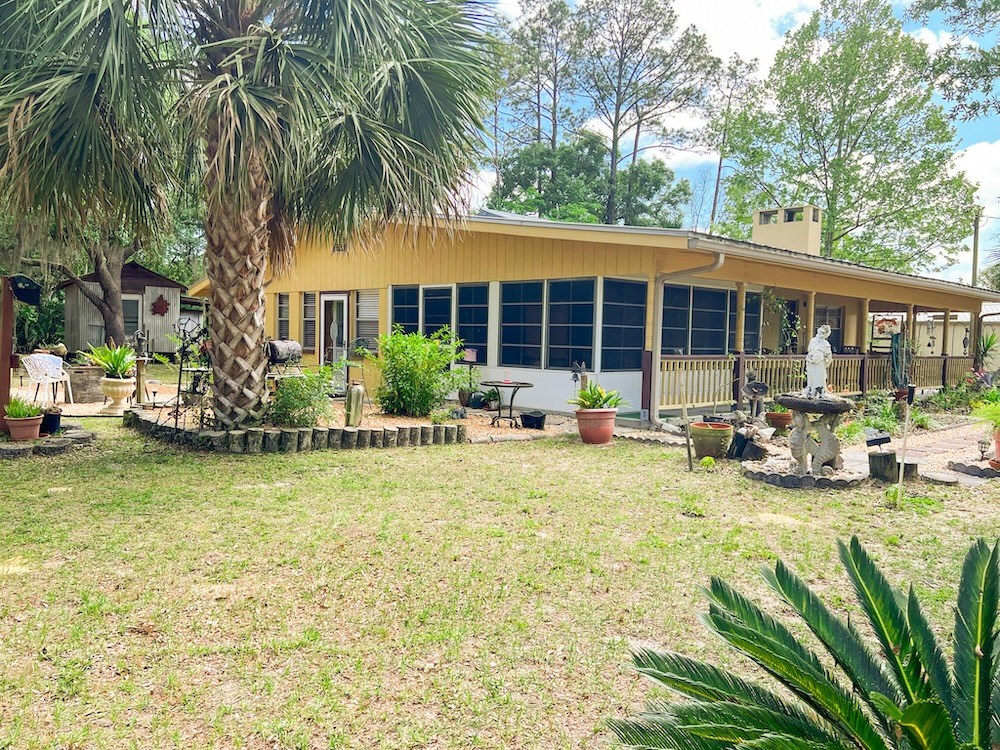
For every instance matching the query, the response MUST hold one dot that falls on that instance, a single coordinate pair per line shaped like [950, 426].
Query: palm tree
[330, 117]
[899, 692]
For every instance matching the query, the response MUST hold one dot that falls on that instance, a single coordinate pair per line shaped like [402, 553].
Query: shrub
[19, 408]
[881, 412]
[116, 361]
[990, 412]
[416, 371]
[838, 689]
[300, 400]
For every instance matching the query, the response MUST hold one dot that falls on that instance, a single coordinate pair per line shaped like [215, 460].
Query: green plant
[920, 419]
[300, 400]
[19, 408]
[593, 396]
[776, 408]
[707, 463]
[416, 371]
[849, 432]
[902, 359]
[116, 361]
[898, 692]
[988, 344]
[990, 412]
[440, 416]
[492, 396]
[880, 412]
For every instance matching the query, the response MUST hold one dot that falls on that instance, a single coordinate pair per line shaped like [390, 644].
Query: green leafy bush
[990, 412]
[593, 396]
[880, 411]
[416, 371]
[300, 400]
[841, 688]
[116, 361]
[19, 408]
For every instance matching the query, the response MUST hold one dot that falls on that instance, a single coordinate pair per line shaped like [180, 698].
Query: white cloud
[981, 164]
[934, 39]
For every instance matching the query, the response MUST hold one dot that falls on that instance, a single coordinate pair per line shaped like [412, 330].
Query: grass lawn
[454, 597]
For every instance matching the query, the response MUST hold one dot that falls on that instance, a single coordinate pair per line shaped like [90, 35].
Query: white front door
[334, 326]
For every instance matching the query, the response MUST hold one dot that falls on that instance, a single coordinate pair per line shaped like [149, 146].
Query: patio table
[515, 386]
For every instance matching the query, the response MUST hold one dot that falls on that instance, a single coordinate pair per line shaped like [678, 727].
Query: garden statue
[818, 358]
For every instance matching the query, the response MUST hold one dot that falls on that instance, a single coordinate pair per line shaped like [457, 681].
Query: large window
[437, 309]
[833, 317]
[131, 315]
[405, 308]
[571, 324]
[751, 334]
[309, 321]
[283, 310]
[367, 315]
[624, 323]
[702, 321]
[521, 324]
[473, 318]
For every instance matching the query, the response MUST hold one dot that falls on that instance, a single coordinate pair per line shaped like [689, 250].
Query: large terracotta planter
[24, 429]
[779, 420]
[711, 438]
[596, 426]
[996, 444]
[116, 389]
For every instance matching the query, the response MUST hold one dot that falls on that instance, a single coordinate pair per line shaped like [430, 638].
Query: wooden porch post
[810, 315]
[863, 325]
[741, 315]
[946, 334]
[911, 324]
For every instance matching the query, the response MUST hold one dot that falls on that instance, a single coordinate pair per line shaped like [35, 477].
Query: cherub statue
[818, 358]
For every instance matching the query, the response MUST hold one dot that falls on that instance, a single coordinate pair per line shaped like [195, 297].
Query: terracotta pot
[116, 389]
[780, 420]
[24, 429]
[596, 426]
[464, 394]
[996, 444]
[711, 439]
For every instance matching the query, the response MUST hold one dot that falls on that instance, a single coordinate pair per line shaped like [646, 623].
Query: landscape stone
[53, 446]
[15, 450]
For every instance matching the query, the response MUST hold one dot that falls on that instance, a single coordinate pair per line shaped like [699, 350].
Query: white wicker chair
[47, 370]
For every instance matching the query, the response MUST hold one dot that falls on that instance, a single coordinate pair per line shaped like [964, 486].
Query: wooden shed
[150, 302]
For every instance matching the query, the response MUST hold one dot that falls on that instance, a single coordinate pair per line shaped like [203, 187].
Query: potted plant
[118, 383]
[779, 417]
[711, 438]
[51, 419]
[469, 387]
[23, 418]
[492, 399]
[901, 361]
[595, 417]
[991, 413]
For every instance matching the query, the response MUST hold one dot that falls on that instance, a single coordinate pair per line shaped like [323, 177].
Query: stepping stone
[81, 437]
[15, 450]
[939, 477]
[53, 446]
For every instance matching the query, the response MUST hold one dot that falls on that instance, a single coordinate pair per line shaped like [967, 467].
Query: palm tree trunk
[236, 247]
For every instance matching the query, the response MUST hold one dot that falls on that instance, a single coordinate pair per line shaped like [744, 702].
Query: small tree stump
[403, 437]
[218, 441]
[272, 440]
[305, 438]
[289, 439]
[334, 437]
[237, 441]
[450, 433]
[461, 434]
[438, 434]
[349, 437]
[909, 471]
[883, 467]
[415, 433]
[255, 440]
[146, 426]
[52, 446]
[364, 437]
[390, 435]
[320, 438]
[15, 450]
[377, 437]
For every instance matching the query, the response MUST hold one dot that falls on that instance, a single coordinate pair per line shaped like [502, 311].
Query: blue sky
[755, 28]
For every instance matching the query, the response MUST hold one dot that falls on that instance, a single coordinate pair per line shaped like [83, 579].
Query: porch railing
[716, 380]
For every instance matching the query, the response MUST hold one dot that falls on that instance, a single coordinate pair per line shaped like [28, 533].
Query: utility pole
[975, 246]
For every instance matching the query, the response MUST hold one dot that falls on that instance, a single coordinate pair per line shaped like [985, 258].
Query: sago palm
[887, 686]
[323, 117]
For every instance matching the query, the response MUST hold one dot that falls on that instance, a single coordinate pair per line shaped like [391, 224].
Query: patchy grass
[454, 597]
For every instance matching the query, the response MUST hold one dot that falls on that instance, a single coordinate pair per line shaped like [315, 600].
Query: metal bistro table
[515, 386]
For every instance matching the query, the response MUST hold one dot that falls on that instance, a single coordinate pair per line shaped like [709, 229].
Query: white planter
[116, 389]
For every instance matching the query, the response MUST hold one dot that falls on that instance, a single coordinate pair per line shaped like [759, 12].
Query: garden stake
[910, 391]
[684, 416]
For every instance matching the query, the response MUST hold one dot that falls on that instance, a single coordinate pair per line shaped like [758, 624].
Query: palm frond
[927, 725]
[929, 651]
[975, 640]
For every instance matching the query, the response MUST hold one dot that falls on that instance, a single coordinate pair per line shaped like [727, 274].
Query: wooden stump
[364, 437]
[403, 437]
[883, 467]
[320, 438]
[461, 434]
[255, 440]
[335, 435]
[377, 437]
[289, 439]
[909, 471]
[450, 433]
[218, 441]
[305, 438]
[237, 441]
[349, 437]
[415, 435]
[390, 435]
[272, 440]
[438, 434]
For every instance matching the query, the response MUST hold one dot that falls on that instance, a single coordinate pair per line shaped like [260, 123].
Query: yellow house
[663, 315]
